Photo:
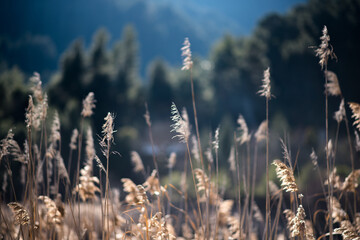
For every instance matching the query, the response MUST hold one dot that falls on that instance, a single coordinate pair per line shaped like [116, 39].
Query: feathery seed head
[332, 86]
[357, 141]
[137, 162]
[152, 184]
[21, 214]
[347, 231]
[74, 137]
[195, 149]
[29, 113]
[53, 215]
[325, 50]
[88, 105]
[90, 149]
[147, 116]
[55, 130]
[286, 176]
[260, 134]
[87, 188]
[355, 108]
[265, 87]
[108, 128]
[216, 139]
[181, 124]
[329, 148]
[245, 137]
[297, 224]
[314, 158]
[172, 160]
[339, 115]
[36, 88]
[231, 160]
[186, 53]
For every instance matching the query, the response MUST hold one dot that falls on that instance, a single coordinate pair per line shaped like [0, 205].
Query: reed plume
[286, 176]
[137, 162]
[340, 114]
[21, 215]
[325, 50]
[181, 124]
[88, 105]
[332, 87]
[53, 215]
[355, 108]
[186, 53]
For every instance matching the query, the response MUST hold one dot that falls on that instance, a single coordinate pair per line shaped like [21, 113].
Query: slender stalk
[154, 157]
[327, 156]
[196, 190]
[351, 152]
[217, 191]
[107, 188]
[268, 211]
[253, 187]
[78, 165]
[239, 183]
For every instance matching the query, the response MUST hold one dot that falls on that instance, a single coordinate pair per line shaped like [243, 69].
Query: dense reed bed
[52, 204]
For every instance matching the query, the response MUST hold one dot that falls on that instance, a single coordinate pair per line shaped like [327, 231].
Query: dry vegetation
[55, 206]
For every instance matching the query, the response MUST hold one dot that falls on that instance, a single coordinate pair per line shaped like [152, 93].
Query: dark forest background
[124, 74]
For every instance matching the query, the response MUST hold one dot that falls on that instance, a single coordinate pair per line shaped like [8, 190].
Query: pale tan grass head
[351, 181]
[297, 223]
[29, 113]
[355, 108]
[338, 214]
[314, 158]
[74, 137]
[36, 87]
[8, 146]
[340, 114]
[260, 134]
[186, 53]
[225, 208]
[231, 160]
[137, 162]
[332, 87]
[87, 188]
[357, 141]
[136, 195]
[152, 184]
[265, 87]
[88, 105]
[172, 160]
[216, 139]
[21, 215]
[347, 231]
[286, 176]
[53, 215]
[147, 116]
[55, 135]
[325, 50]
[334, 179]
[195, 149]
[89, 148]
[244, 131]
[180, 124]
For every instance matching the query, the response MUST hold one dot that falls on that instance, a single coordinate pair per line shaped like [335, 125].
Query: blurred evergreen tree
[98, 78]
[67, 88]
[160, 91]
[13, 102]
